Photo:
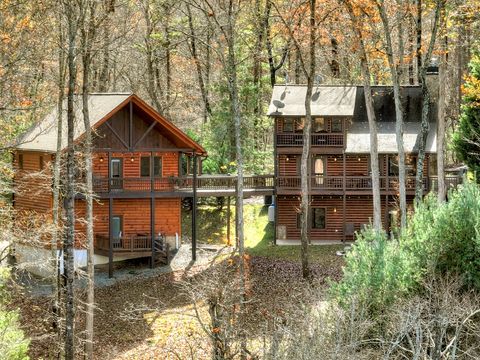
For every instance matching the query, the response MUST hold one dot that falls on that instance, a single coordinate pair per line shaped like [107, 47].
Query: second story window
[337, 125]
[319, 124]
[288, 125]
[299, 124]
[145, 166]
[157, 166]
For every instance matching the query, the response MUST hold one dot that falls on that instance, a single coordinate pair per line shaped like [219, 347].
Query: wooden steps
[161, 252]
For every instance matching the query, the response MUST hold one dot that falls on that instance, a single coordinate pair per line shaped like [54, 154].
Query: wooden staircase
[161, 251]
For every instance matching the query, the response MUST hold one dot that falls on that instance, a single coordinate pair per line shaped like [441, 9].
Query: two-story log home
[340, 179]
[143, 166]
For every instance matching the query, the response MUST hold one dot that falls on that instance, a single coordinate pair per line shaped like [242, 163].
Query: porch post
[152, 228]
[110, 237]
[344, 202]
[275, 181]
[228, 220]
[194, 209]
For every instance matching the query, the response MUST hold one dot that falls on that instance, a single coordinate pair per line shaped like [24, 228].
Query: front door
[116, 171]
[116, 230]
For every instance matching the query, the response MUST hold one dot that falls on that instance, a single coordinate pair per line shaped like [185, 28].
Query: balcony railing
[204, 182]
[353, 183]
[324, 139]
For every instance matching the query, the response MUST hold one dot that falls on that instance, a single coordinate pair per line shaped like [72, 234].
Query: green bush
[440, 239]
[376, 273]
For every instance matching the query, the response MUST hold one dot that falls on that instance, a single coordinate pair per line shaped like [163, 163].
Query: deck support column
[152, 229]
[110, 237]
[228, 221]
[194, 209]
[344, 202]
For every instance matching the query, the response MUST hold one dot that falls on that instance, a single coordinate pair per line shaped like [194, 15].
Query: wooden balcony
[335, 184]
[317, 140]
[132, 246]
[207, 185]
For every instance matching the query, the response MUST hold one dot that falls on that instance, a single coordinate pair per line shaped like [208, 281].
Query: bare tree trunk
[442, 114]
[56, 187]
[426, 104]
[305, 165]
[398, 113]
[88, 34]
[68, 244]
[207, 111]
[235, 110]
[372, 123]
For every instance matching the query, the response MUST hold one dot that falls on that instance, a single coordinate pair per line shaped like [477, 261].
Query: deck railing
[323, 139]
[184, 183]
[353, 183]
[132, 243]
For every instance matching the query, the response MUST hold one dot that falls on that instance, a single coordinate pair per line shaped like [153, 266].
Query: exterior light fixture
[335, 159]
[101, 159]
[132, 159]
[359, 158]
[334, 209]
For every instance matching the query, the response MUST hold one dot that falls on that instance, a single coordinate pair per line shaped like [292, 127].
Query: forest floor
[150, 317]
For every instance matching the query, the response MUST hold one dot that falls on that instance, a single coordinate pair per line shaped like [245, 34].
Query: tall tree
[88, 32]
[442, 95]
[426, 99]
[395, 71]
[305, 164]
[356, 23]
[56, 180]
[71, 13]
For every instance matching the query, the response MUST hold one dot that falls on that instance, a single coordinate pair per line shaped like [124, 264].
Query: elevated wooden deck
[206, 185]
[337, 185]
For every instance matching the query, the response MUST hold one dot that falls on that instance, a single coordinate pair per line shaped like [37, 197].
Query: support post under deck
[152, 228]
[228, 221]
[194, 209]
[110, 237]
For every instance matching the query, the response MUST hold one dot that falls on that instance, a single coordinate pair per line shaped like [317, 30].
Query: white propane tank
[271, 213]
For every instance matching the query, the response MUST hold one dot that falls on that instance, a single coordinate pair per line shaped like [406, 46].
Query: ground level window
[318, 218]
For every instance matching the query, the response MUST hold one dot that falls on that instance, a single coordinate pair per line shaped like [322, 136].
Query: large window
[318, 218]
[145, 166]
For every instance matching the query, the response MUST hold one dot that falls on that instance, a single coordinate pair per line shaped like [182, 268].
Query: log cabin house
[143, 166]
[340, 181]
